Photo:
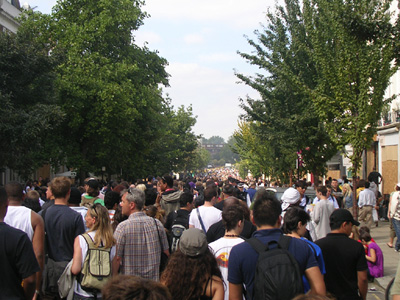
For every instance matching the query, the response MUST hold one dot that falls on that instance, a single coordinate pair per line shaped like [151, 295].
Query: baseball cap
[398, 184]
[343, 215]
[93, 183]
[193, 242]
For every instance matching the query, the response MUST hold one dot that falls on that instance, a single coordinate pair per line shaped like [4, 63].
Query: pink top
[375, 269]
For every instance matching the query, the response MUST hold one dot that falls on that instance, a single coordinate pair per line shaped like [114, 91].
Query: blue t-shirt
[320, 260]
[243, 258]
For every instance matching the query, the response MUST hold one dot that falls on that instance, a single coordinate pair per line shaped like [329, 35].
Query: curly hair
[186, 276]
[125, 287]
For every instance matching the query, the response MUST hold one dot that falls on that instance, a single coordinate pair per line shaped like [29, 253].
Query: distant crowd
[211, 237]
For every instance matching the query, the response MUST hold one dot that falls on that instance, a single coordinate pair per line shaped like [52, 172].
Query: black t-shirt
[343, 257]
[181, 217]
[17, 261]
[217, 231]
[62, 225]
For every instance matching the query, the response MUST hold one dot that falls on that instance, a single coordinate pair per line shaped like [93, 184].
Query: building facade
[9, 11]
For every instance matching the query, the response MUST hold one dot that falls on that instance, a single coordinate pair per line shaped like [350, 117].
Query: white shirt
[221, 249]
[209, 215]
[20, 217]
[331, 199]
[367, 197]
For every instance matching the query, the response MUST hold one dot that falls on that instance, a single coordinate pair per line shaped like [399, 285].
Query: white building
[9, 10]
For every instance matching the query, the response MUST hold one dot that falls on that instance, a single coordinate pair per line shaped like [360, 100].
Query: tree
[228, 152]
[254, 155]
[28, 110]
[352, 47]
[176, 146]
[284, 119]
[214, 140]
[109, 89]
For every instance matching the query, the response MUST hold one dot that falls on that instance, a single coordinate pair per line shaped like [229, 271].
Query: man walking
[168, 198]
[321, 213]
[18, 262]
[366, 203]
[140, 239]
[62, 226]
[243, 257]
[206, 215]
[28, 221]
[345, 263]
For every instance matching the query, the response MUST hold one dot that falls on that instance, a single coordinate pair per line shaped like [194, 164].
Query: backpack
[96, 270]
[176, 232]
[277, 274]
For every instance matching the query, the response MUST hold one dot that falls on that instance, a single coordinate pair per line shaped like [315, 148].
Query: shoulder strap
[257, 245]
[201, 220]
[284, 241]
[209, 280]
[91, 244]
[159, 237]
[88, 240]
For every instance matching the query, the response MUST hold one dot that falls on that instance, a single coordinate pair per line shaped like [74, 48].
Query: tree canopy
[109, 91]
[28, 109]
[284, 120]
[352, 44]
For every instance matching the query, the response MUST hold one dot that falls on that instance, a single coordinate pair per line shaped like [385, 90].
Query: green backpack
[96, 270]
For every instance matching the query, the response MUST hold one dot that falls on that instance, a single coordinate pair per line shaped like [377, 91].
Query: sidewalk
[390, 257]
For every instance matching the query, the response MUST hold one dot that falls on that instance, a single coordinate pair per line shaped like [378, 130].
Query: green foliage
[284, 120]
[228, 152]
[214, 140]
[108, 88]
[351, 44]
[28, 111]
[201, 159]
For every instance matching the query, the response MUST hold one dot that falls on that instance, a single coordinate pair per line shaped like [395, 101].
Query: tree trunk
[355, 205]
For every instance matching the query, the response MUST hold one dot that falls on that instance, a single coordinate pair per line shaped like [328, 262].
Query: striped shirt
[138, 245]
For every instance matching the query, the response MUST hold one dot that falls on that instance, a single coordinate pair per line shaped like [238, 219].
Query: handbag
[374, 215]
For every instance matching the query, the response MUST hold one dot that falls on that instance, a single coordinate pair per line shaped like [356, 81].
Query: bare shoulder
[36, 219]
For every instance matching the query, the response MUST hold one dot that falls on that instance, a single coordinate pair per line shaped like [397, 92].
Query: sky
[200, 40]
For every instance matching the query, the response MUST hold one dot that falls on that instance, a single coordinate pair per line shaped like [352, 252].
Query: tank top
[20, 217]
[204, 296]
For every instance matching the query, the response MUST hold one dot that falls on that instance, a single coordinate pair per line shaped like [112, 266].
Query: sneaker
[397, 250]
[382, 219]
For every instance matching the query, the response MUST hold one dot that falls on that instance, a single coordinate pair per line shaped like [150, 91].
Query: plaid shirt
[138, 245]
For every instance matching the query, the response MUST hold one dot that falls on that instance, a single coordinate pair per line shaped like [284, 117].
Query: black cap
[343, 215]
[93, 183]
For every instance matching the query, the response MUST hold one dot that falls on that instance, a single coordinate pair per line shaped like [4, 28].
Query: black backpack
[176, 231]
[277, 274]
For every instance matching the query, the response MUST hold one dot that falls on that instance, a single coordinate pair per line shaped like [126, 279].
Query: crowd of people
[215, 237]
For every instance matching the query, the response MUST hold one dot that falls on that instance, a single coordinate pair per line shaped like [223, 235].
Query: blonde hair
[32, 194]
[349, 192]
[102, 226]
[141, 187]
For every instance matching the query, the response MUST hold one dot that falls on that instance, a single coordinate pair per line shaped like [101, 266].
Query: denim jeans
[396, 226]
